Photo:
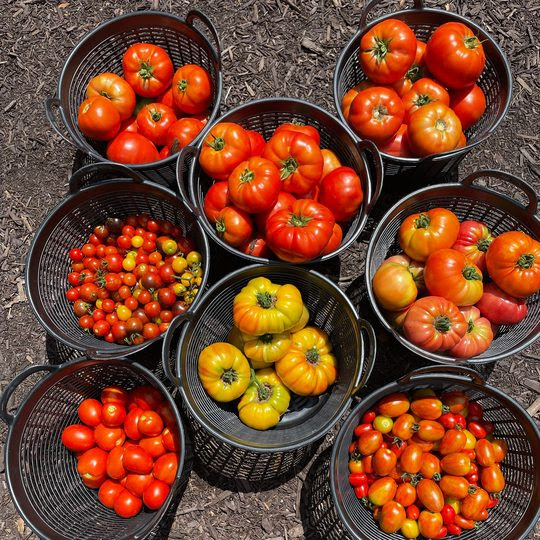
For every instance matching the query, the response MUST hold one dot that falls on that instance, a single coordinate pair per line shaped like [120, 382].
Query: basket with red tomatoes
[426, 85]
[282, 179]
[437, 454]
[128, 99]
[453, 271]
[95, 450]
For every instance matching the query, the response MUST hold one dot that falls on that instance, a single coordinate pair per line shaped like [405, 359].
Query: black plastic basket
[519, 509]
[495, 81]
[102, 50]
[221, 441]
[499, 213]
[42, 473]
[69, 224]
[264, 116]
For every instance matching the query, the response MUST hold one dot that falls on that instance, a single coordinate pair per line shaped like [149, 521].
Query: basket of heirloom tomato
[138, 88]
[282, 179]
[426, 85]
[115, 262]
[453, 271]
[107, 463]
[437, 454]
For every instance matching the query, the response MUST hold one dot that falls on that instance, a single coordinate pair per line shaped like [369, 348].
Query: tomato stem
[442, 323]
[247, 176]
[217, 144]
[220, 227]
[155, 115]
[422, 221]
[266, 338]
[265, 300]
[288, 167]
[526, 261]
[471, 42]
[229, 376]
[422, 99]
[440, 124]
[470, 326]
[469, 272]
[380, 49]
[483, 244]
[414, 73]
[264, 390]
[145, 70]
[182, 85]
[299, 221]
[313, 356]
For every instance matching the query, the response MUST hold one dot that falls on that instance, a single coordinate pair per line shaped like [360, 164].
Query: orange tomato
[403, 427]
[457, 464]
[382, 491]
[492, 479]
[473, 504]
[370, 442]
[384, 460]
[430, 523]
[391, 517]
[454, 486]
[485, 454]
[430, 495]
[430, 431]
[454, 440]
[411, 459]
[393, 405]
[431, 467]
[405, 494]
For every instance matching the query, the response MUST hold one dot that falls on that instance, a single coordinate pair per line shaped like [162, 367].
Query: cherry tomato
[382, 491]
[155, 494]
[383, 424]
[430, 431]
[431, 467]
[411, 459]
[362, 428]
[428, 408]
[453, 441]
[413, 512]
[448, 514]
[409, 528]
[477, 430]
[90, 412]
[500, 449]
[492, 479]
[454, 486]
[474, 503]
[361, 491]
[368, 417]
[393, 405]
[454, 529]
[370, 442]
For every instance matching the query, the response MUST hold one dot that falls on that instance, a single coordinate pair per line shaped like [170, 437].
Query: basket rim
[157, 514]
[76, 138]
[345, 53]
[215, 289]
[28, 278]
[346, 430]
[194, 179]
[439, 358]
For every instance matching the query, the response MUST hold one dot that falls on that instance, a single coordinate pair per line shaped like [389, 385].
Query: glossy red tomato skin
[411, 459]
[156, 494]
[427, 408]
[171, 439]
[183, 132]
[469, 104]
[422, 92]
[115, 467]
[473, 241]
[137, 483]
[335, 240]
[458, 464]
[492, 479]
[308, 130]
[501, 308]
[131, 423]
[255, 246]
[108, 493]
[90, 412]
[391, 517]
[394, 404]
[98, 119]
[369, 442]
[384, 460]
[113, 415]
[382, 491]
[154, 121]
[153, 446]
[485, 454]
[430, 523]
[284, 202]
[132, 148]
[430, 495]
[92, 466]
[398, 144]
[474, 503]
[116, 89]
[430, 431]
[127, 505]
[145, 397]
[165, 468]
[341, 192]
[107, 438]
[136, 460]
[78, 438]
[216, 199]
[192, 89]
[256, 142]
[150, 424]
[234, 226]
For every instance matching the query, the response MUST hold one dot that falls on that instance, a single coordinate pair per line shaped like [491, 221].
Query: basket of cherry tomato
[95, 450]
[138, 100]
[108, 276]
[425, 84]
[281, 179]
[437, 454]
[453, 271]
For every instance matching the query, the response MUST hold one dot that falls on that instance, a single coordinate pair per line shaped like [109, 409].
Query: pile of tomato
[132, 277]
[152, 107]
[269, 335]
[418, 98]
[429, 465]
[286, 196]
[127, 447]
[451, 263]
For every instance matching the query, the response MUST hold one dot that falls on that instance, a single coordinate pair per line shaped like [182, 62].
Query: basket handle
[196, 14]
[76, 179]
[165, 359]
[51, 104]
[418, 4]
[182, 168]
[370, 148]
[531, 208]
[465, 372]
[369, 361]
[94, 354]
[12, 386]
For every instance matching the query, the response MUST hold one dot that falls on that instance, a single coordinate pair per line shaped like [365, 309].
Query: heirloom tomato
[469, 104]
[414, 73]
[216, 199]
[430, 495]
[411, 459]
[391, 517]
[78, 438]
[430, 523]
[427, 408]
[98, 118]
[335, 240]
[234, 226]
[330, 161]
[132, 148]
[431, 467]
[310, 131]
[115, 89]
[478, 337]
[302, 322]
[224, 371]
[474, 503]
[341, 192]
[422, 92]
[382, 491]
[397, 145]
[182, 133]
[473, 241]
[422, 234]
[191, 89]
[384, 460]
[387, 51]
[501, 308]
[454, 440]
[454, 55]
[256, 143]
[434, 323]
[492, 479]
[393, 405]
[268, 348]
[454, 486]
[148, 69]
[458, 464]
[284, 202]
[349, 96]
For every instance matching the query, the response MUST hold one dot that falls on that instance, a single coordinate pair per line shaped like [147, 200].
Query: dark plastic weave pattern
[495, 81]
[102, 50]
[264, 116]
[261, 454]
[519, 508]
[67, 226]
[42, 473]
[499, 213]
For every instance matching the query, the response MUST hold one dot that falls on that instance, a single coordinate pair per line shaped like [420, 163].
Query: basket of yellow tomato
[266, 366]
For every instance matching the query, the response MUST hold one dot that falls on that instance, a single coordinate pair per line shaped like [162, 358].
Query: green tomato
[383, 424]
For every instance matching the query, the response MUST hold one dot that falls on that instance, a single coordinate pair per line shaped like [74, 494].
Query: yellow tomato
[267, 348]
[193, 257]
[186, 279]
[99, 303]
[137, 241]
[409, 529]
[179, 264]
[454, 503]
[123, 313]
[301, 324]
[178, 289]
[471, 440]
[128, 264]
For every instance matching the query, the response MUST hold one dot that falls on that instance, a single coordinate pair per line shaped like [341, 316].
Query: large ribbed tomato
[115, 89]
[469, 104]
[422, 92]
[284, 202]
[182, 132]
[341, 192]
[415, 72]
[478, 337]
[473, 240]
[154, 121]
[98, 118]
[192, 89]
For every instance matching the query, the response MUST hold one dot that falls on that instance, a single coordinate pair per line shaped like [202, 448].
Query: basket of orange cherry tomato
[437, 454]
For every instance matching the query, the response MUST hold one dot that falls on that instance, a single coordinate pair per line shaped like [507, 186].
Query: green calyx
[288, 167]
[220, 227]
[247, 176]
[313, 356]
[265, 300]
[145, 70]
[264, 390]
[105, 95]
[217, 144]
[182, 85]
[483, 244]
[471, 42]
[422, 99]
[299, 221]
[470, 273]
[526, 261]
[155, 115]
[380, 49]
[470, 326]
[442, 323]
[229, 376]
[414, 73]
[422, 221]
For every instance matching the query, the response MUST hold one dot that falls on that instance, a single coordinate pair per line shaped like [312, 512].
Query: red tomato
[132, 148]
[485, 454]
[108, 493]
[393, 405]
[137, 460]
[115, 89]
[284, 202]
[458, 464]
[153, 446]
[301, 233]
[137, 483]
[115, 467]
[156, 494]
[454, 486]
[182, 133]
[256, 247]
[405, 494]
[501, 308]
[107, 438]
[469, 104]
[463, 523]
[113, 415]
[422, 92]
[130, 424]
[430, 431]
[254, 185]
[382, 491]
[349, 96]
[92, 466]
[256, 143]
[384, 460]
[413, 512]
[114, 394]
[456, 401]
[148, 69]
[90, 412]
[430, 495]
[414, 73]
[192, 89]
[430, 523]
[376, 114]
[500, 449]
[411, 459]
[145, 397]
[398, 144]
[391, 517]
[310, 131]
[127, 505]
[357, 479]
[98, 118]
[341, 192]
[154, 121]
[454, 440]
[165, 468]
[387, 51]
[234, 226]
[403, 427]
[216, 199]
[78, 438]
[171, 440]
[474, 503]
[166, 412]
[454, 55]
[299, 159]
[335, 240]
[478, 337]
[369, 442]
[473, 241]
[330, 161]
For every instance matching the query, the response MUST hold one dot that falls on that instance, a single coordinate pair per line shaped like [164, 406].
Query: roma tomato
[485, 455]
[98, 118]
[450, 274]
[330, 161]
[284, 202]
[335, 240]
[115, 89]
[398, 144]
[153, 446]
[387, 51]
[136, 460]
[216, 199]
[469, 104]
[492, 479]
[456, 401]
[403, 427]
[454, 55]
[448, 514]
[456, 487]
[131, 423]
[428, 408]
[298, 158]
[382, 491]
[92, 466]
[430, 431]
[108, 492]
[473, 240]
[226, 145]
[113, 414]
[78, 438]
[115, 467]
[127, 505]
[376, 114]
[391, 517]
[433, 129]
[405, 494]
[341, 192]
[430, 495]
[463, 523]
[458, 464]
[422, 92]
[310, 131]
[192, 89]
[430, 523]
[384, 460]
[454, 440]
[90, 412]
[501, 308]
[431, 467]
[182, 132]
[500, 449]
[422, 234]
[478, 337]
[434, 323]
[156, 494]
[254, 185]
[256, 143]
[474, 503]
[165, 468]
[148, 69]
[137, 483]
[171, 440]
[107, 437]
[150, 424]
[132, 148]
[411, 459]
[234, 226]
[393, 405]
[513, 262]
[301, 233]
